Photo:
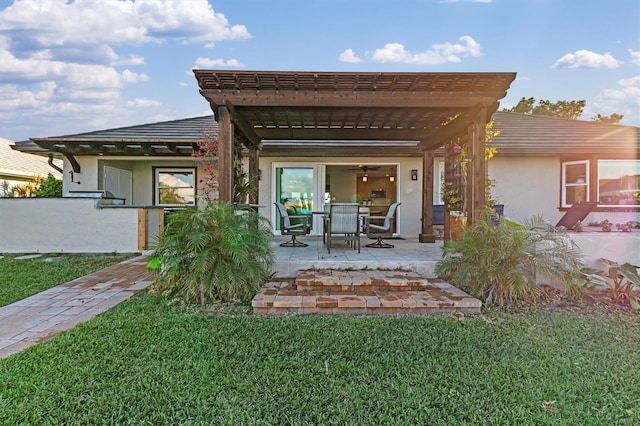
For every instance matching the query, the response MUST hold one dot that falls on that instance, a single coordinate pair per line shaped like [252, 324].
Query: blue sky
[73, 66]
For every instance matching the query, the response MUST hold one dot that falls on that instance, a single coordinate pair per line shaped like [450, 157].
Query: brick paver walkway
[42, 316]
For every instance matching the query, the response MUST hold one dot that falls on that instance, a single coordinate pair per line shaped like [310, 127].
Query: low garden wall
[75, 225]
[616, 245]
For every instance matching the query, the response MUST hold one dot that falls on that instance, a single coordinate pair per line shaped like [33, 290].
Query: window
[575, 182]
[619, 182]
[175, 187]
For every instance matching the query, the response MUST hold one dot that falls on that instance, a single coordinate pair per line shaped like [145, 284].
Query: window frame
[565, 184]
[156, 187]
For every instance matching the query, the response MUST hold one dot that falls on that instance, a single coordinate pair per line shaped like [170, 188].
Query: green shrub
[214, 254]
[498, 262]
[49, 187]
[624, 282]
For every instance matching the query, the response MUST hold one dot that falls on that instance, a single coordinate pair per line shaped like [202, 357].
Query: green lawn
[147, 362]
[24, 278]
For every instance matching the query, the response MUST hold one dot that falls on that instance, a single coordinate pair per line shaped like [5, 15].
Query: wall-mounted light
[414, 174]
[365, 178]
[392, 178]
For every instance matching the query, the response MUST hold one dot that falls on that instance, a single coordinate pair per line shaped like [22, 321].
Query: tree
[611, 119]
[561, 109]
[49, 187]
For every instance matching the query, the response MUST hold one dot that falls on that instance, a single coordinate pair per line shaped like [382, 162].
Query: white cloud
[587, 59]
[635, 56]
[91, 22]
[204, 63]
[14, 99]
[439, 54]
[67, 59]
[143, 103]
[130, 60]
[350, 57]
[625, 100]
[132, 77]
[40, 67]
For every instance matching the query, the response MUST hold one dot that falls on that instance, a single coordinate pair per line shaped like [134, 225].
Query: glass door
[295, 189]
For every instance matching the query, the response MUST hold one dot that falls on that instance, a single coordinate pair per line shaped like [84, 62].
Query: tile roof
[536, 135]
[521, 135]
[17, 164]
[186, 129]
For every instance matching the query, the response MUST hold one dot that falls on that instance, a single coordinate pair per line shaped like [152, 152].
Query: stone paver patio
[44, 315]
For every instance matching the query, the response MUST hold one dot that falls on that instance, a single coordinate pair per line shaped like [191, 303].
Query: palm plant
[216, 253]
[499, 263]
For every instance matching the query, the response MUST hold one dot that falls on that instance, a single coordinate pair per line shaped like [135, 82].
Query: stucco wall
[527, 187]
[91, 173]
[531, 186]
[72, 225]
[617, 246]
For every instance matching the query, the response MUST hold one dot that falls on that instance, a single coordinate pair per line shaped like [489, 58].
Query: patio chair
[293, 229]
[381, 231]
[343, 220]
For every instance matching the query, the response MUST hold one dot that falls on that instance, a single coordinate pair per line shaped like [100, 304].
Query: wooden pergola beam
[244, 126]
[350, 99]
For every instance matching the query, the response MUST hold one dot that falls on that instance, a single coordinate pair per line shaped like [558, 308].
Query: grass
[23, 278]
[149, 362]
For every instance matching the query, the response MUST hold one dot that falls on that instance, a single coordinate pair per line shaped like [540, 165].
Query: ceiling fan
[365, 168]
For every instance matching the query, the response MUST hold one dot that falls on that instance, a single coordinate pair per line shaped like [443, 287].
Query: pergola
[347, 108]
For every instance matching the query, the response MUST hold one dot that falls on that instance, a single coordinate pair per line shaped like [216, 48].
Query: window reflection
[175, 187]
[619, 182]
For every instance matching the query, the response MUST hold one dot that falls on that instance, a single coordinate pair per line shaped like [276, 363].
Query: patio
[390, 281]
[408, 254]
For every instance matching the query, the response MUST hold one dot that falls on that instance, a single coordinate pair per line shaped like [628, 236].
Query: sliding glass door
[295, 189]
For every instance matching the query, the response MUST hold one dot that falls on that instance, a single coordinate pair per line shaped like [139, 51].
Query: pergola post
[426, 235]
[449, 159]
[254, 174]
[476, 169]
[225, 154]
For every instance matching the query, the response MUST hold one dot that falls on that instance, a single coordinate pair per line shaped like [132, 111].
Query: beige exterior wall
[69, 225]
[92, 167]
[531, 186]
[527, 187]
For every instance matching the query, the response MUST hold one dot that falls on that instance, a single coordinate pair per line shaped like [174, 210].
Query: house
[16, 168]
[545, 164]
[314, 138]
